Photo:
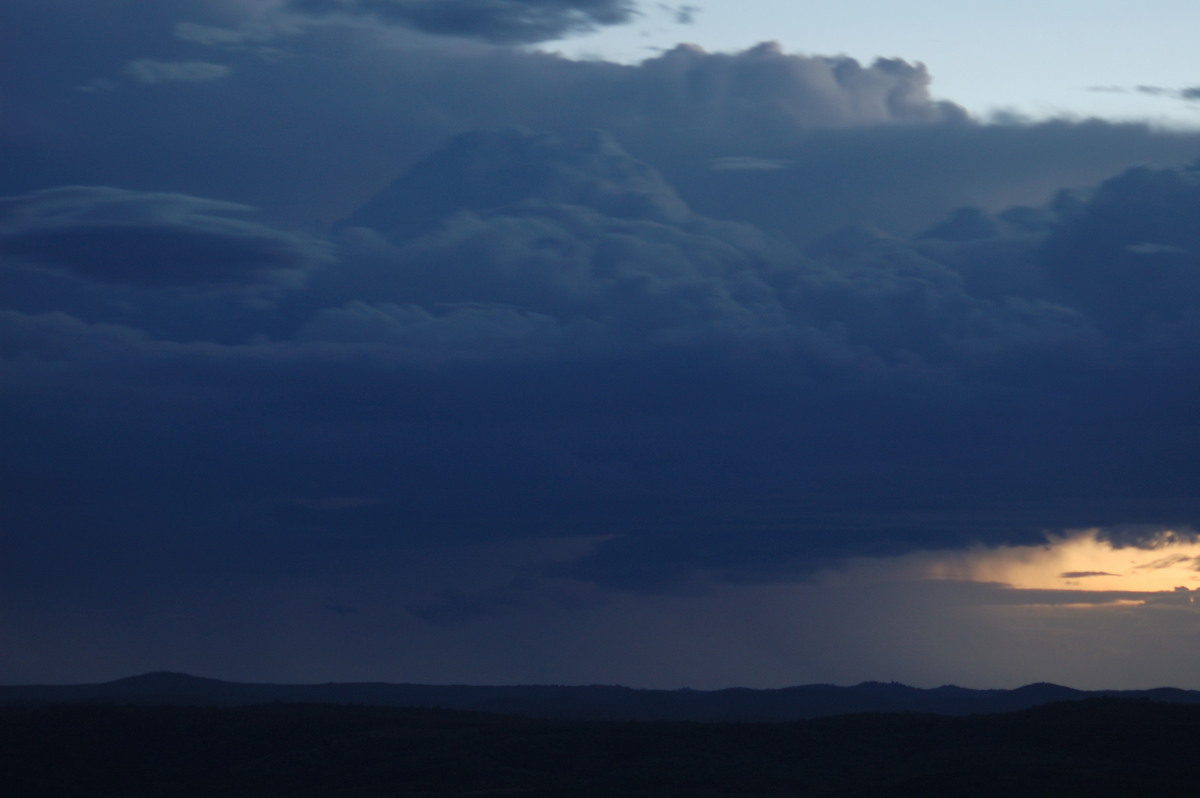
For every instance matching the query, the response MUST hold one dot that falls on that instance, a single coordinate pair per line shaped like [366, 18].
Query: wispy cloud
[150, 71]
[1189, 94]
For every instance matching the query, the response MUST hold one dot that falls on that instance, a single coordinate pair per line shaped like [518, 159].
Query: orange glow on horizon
[1077, 560]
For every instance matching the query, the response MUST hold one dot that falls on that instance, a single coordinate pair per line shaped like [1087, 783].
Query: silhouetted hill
[1096, 747]
[584, 703]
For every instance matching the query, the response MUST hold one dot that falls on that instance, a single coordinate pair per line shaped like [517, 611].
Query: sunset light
[1081, 560]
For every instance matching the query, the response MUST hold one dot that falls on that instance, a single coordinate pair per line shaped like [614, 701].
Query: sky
[599, 342]
[1113, 59]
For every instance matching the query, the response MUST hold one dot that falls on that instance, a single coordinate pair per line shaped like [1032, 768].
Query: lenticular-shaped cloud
[123, 236]
[507, 21]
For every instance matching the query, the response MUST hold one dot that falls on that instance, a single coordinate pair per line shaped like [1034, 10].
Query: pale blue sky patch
[1035, 58]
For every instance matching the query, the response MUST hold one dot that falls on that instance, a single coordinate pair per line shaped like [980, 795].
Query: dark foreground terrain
[1097, 747]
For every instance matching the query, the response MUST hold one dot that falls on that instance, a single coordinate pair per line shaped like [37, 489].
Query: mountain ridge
[583, 702]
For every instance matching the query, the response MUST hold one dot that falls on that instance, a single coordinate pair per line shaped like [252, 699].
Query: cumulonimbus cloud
[745, 331]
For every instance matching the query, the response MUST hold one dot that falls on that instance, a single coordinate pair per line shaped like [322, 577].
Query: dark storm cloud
[742, 334]
[1131, 255]
[117, 235]
[571, 228]
[559, 343]
[503, 21]
[578, 229]
[1147, 536]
